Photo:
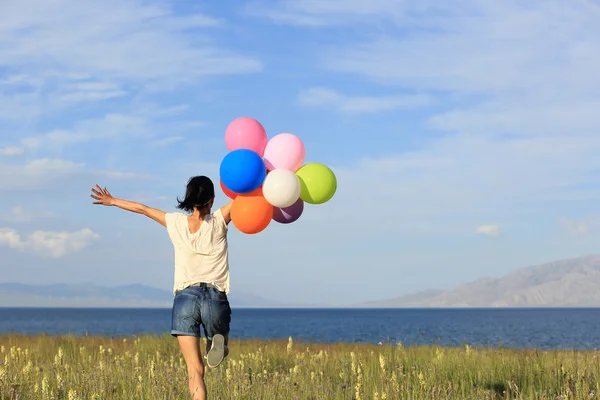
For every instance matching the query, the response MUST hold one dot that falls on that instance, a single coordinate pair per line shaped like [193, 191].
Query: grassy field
[150, 367]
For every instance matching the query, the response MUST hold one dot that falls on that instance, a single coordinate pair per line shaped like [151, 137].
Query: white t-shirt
[200, 256]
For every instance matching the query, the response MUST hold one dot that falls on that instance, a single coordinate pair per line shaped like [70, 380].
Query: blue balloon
[242, 171]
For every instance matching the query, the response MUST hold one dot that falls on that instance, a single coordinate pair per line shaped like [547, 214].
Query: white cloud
[11, 151]
[584, 226]
[125, 39]
[20, 106]
[509, 68]
[90, 91]
[16, 79]
[10, 238]
[110, 126]
[512, 69]
[451, 184]
[575, 228]
[143, 124]
[42, 173]
[520, 92]
[525, 42]
[36, 173]
[152, 110]
[318, 13]
[17, 214]
[48, 243]
[328, 98]
[195, 124]
[166, 141]
[71, 52]
[489, 230]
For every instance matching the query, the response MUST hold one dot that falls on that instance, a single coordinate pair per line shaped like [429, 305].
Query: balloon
[281, 188]
[285, 151]
[318, 183]
[246, 133]
[228, 192]
[242, 171]
[289, 214]
[251, 213]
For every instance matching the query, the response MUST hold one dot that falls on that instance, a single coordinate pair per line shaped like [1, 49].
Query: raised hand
[102, 196]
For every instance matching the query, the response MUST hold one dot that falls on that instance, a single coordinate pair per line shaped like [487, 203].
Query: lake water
[516, 328]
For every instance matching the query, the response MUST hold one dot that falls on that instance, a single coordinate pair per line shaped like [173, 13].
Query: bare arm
[104, 198]
[226, 212]
[153, 213]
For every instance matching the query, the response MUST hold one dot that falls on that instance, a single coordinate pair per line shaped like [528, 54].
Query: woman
[201, 273]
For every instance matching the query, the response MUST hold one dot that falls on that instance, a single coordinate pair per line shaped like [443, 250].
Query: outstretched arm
[226, 212]
[103, 197]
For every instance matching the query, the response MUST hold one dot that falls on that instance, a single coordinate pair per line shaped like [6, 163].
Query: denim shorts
[197, 306]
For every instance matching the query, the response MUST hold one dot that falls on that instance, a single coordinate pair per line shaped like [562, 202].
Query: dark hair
[199, 192]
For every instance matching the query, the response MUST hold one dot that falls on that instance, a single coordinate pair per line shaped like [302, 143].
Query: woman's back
[201, 255]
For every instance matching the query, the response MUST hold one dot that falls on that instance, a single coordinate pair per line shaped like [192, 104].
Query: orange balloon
[251, 213]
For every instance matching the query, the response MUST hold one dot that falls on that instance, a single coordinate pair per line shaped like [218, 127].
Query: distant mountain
[88, 295]
[565, 283]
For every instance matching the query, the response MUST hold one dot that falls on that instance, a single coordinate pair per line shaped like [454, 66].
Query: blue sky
[464, 136]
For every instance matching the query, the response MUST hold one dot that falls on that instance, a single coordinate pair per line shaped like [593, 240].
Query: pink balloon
[246, 133]
[284, 151]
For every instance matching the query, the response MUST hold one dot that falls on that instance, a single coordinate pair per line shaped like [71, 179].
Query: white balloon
[281, 188]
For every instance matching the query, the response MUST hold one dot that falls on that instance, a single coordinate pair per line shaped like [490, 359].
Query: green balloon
[317, 182]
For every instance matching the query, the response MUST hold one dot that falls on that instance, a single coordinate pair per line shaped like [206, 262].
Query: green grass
[150, 367]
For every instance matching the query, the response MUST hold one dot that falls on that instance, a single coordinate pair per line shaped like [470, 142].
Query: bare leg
[190, 348]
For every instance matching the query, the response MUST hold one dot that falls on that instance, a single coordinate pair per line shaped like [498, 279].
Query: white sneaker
[216, 354]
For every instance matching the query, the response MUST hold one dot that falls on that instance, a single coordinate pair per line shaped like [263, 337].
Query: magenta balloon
[289, 214]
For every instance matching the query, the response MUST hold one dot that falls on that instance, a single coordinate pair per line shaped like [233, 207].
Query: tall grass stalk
[150, 367]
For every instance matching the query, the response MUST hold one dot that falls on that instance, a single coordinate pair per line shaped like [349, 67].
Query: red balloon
[228, 192]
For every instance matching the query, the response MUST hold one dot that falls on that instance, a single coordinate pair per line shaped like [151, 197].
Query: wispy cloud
[19, 214]
[463, 179]
[489, 230]
[16, 79]
[16, 214]
[511, 68]
[21, 106]
[329, 98]
[38, 174]
[166, 141]
[325, 12]
[520, 89]
[48, 243]
[11, 151]
[112, 41]
[575, 228]
[584, 226]
[107, 127]
[515, 69]
[117, 45]
[91, 91]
